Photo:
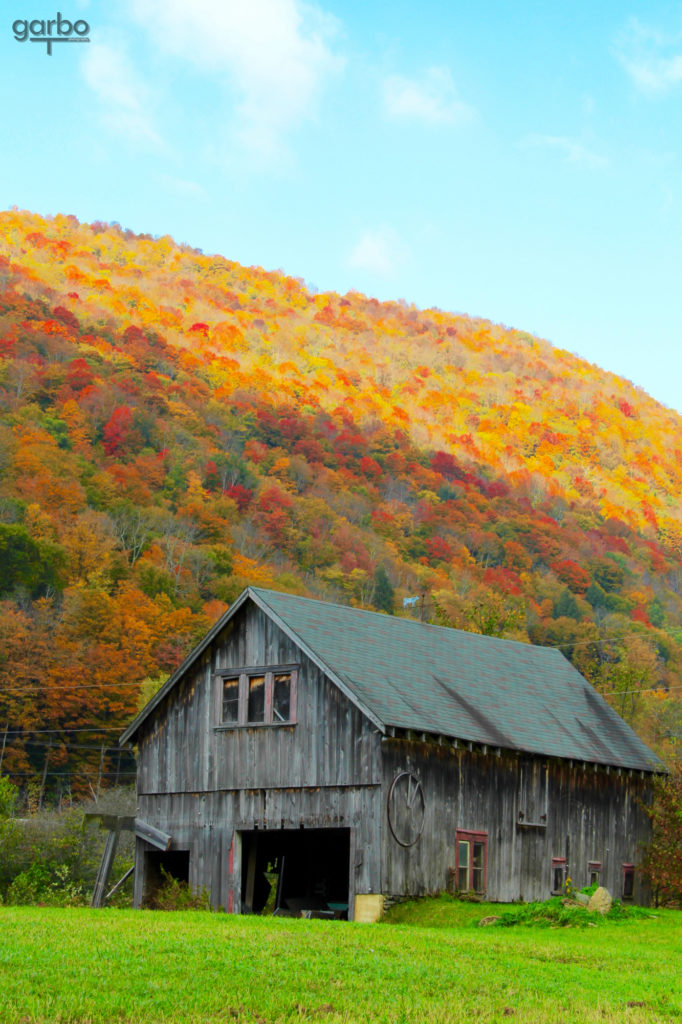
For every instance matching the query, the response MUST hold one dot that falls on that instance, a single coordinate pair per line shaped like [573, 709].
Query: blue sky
[516, 161]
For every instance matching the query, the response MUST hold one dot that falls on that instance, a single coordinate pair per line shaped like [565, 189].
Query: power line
[55, 732]
[596, 640]
[652, 689]
[42, 688]
[69, 774]
[69, 746]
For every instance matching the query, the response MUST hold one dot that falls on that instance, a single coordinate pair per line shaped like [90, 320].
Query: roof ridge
[390, 617]
[405, 674]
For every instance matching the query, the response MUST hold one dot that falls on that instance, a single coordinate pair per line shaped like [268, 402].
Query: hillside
[174, 426]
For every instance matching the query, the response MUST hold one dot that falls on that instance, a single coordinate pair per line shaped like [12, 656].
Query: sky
[518, 161]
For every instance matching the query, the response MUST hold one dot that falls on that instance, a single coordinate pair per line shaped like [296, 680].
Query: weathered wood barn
[322, 758]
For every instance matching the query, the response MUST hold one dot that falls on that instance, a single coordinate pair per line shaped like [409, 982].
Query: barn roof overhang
[411, 678]
[128, 736]
[461, 743]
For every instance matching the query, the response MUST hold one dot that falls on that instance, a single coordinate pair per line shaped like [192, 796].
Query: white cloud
[123, 95]
[275, 54]
[379, 251]
[432, 98]
[652, 58]
[570, 149]
[183, 187]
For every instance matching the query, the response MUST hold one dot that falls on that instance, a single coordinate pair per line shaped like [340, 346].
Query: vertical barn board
[160, 739]
[202, 696]
[139, 876]
[332, 768]
[185, 750]
[599, 812]
[206, 829]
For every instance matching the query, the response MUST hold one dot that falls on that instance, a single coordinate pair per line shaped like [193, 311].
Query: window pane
[463, 862]
[479, 862]
[231, 700]
[256, 710]
[281, 698]
[628, 883]
[558, 879]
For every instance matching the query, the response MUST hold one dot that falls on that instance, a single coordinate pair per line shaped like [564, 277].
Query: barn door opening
[296, 872]
[158, 865]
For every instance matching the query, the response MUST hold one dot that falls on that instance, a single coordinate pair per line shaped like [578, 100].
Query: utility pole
[44, 779]
[99, 776]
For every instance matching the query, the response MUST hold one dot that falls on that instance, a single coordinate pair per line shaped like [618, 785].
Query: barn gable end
[209, 781]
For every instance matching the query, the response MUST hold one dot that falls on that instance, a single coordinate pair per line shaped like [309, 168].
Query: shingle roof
[412, 675]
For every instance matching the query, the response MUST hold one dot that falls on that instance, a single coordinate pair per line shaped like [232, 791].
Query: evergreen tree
[383, 591]
[567, 606]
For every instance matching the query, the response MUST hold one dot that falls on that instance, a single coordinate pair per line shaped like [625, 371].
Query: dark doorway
[296, 872]
[160, 863]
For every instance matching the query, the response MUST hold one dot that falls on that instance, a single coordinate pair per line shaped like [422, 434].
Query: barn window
[256, 701]
[281, 697]
[231, 700]
[558, 874]
[594, 869]
[263, 696]
[628, 881]
[472, 861]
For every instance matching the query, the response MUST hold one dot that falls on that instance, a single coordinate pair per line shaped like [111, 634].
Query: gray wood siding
[180, 749]
[587, 816]
[202, 784]
[208, 825]
[332, 769]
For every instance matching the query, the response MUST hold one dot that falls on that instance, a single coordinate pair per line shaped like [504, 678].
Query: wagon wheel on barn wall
[406, 807]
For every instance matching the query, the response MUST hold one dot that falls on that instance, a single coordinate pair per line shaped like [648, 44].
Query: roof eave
[128, 735]
[194, 655]
[656, 767]
[317, 660]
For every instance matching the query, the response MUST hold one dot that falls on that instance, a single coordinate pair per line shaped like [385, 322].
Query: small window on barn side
[628, 881]
[558, 874]
[594, 869]
[472, 861]
[259, 697]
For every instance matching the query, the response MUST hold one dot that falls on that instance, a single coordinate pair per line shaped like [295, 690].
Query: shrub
[175, 895]
[663, 860]
[554, 912]
[8, 797]
[49, 857]
[47, 883]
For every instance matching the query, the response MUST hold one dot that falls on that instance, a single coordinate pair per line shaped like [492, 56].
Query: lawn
[430, 962]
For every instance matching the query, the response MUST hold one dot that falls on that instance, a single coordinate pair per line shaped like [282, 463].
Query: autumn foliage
[663, 861]
[174, 426]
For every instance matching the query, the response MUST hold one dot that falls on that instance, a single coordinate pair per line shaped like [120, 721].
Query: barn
[319, 760]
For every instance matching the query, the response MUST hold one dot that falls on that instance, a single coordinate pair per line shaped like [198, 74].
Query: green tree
[25, 562]
[663, 861]
[566, 606]
[384, 596]
[8, 797]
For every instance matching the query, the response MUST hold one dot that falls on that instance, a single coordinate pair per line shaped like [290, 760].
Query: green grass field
[429, 962]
